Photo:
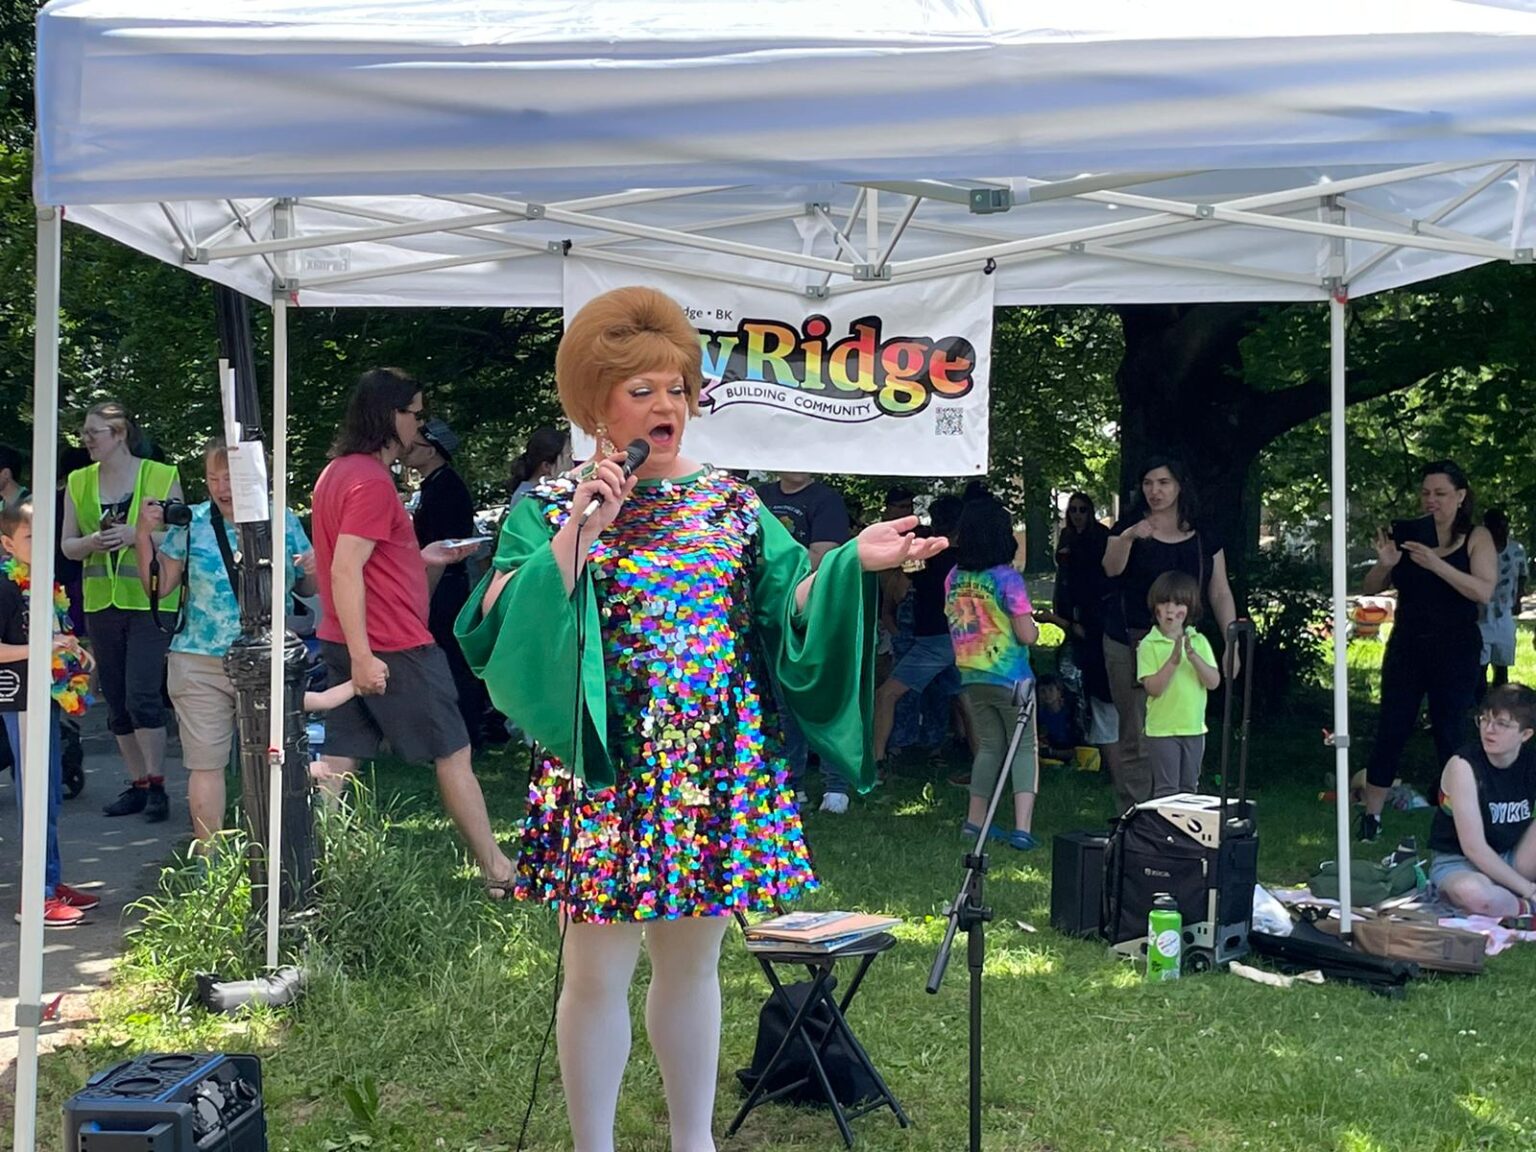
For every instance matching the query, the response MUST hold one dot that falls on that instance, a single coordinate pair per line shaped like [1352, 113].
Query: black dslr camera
[175, 513]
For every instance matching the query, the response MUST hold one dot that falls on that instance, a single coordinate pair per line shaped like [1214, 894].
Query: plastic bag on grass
[1269, 915]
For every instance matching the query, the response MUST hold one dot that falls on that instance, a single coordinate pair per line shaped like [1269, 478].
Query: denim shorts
[928, 657]
[1443, 864]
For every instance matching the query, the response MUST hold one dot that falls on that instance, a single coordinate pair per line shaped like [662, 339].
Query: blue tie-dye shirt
[213, 613]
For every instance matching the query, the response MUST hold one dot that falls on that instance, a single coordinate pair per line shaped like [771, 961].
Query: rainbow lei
[71, 682]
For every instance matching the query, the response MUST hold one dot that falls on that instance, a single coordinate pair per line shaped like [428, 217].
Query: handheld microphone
[634, 456]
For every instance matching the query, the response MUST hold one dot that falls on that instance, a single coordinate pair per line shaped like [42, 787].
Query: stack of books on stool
[815, 931]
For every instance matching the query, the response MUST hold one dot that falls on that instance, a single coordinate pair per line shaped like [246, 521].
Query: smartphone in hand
[1420, 529]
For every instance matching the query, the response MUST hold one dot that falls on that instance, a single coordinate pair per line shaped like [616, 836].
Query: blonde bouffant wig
[617, 336]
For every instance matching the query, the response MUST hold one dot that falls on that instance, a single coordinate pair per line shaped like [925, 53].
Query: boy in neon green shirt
[1176, 666]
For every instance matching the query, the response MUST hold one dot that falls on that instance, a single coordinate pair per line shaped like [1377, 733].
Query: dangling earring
[605, 446]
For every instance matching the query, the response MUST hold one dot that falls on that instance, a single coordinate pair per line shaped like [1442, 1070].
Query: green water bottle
[1165, 938]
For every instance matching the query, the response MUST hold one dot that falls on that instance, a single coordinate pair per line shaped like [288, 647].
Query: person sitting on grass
[63, 906]
[1058, 728]
[992, 625]
[1484, 849]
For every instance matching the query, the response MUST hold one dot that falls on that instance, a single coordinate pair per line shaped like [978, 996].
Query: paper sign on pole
[227, 401]
[248, 481]
[890, 381]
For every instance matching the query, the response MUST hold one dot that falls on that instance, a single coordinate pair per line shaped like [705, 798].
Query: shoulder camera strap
[216, 518]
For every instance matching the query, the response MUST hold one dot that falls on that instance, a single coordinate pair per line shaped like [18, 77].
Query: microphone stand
[968, 912]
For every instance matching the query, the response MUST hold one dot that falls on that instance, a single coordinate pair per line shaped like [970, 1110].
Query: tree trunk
[1182, 395]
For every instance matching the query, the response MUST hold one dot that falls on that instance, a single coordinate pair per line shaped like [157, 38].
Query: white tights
[682, 1019]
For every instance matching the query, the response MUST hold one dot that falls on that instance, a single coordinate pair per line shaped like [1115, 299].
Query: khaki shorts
[205, 709]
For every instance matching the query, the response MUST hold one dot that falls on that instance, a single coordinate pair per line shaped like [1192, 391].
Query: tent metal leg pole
[278, 648]
[37, 723]
[1337, 305]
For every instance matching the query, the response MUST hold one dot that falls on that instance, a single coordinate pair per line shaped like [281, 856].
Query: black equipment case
[170, 1102]
[1202, 850]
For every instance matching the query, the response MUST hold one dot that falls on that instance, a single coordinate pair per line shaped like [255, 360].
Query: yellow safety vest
[111, 579]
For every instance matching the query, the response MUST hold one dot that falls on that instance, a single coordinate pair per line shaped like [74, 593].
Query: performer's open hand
[607, 482]
[891, 542]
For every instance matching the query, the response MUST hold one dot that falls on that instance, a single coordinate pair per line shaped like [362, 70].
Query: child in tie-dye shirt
[992, 625]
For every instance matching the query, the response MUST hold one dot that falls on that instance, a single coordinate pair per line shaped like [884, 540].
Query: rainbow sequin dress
[685, 809]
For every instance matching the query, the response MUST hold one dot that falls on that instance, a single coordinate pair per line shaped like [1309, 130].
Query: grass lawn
[438, 999]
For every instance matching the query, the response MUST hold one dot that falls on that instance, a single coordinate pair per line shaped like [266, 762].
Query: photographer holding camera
[101, 517]
[198, 556]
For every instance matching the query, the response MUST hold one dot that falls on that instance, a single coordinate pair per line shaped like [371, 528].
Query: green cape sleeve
[525, 647]
[824, 658]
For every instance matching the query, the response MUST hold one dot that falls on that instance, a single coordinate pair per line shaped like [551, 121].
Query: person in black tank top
[1435, 646]
[1159, 534]
[1484, 850]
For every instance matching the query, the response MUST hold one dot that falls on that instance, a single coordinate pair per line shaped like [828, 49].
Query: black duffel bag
[851, 1082]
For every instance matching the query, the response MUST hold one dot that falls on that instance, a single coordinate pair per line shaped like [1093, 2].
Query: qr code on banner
[949, 422]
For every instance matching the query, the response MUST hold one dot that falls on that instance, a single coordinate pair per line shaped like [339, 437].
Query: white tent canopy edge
[453, 153]
[1255, 235]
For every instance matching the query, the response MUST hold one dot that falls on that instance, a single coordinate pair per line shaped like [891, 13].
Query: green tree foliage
[489, 373]
[1445, 368]
[1436, 369]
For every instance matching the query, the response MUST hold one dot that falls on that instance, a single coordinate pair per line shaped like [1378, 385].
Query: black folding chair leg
[862, 1056]
[838, 1114]
[853, 985]
[759, 1090]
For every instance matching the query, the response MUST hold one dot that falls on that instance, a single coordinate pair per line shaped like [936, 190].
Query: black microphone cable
[635, 455]
[581, 592]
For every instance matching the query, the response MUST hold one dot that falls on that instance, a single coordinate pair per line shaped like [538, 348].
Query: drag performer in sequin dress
[671, 808]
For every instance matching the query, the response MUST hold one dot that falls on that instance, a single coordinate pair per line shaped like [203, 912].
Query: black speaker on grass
[1077, 882]
[170, 1102]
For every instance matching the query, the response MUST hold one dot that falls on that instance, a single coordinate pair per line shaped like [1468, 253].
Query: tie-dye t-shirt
[980, 607]
[213, 612]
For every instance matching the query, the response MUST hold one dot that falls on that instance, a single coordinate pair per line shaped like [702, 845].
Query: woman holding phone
[1442, 568]
[101, 516]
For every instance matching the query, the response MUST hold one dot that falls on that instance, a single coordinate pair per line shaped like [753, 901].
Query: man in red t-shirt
[373, 590]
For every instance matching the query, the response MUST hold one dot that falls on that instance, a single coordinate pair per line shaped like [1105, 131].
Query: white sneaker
[801, 798]
[836, 802]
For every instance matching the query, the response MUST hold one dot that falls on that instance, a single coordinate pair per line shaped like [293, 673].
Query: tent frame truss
[889, 211]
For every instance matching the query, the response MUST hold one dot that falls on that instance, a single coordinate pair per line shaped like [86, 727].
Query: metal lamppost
[248, 660]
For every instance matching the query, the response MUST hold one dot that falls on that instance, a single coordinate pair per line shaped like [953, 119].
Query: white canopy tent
[455, 153]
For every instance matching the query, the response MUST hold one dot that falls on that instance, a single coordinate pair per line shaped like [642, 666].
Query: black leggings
[1444, 668]
[130, 667]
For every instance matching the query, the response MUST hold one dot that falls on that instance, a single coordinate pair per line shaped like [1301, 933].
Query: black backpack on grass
[851, 1082]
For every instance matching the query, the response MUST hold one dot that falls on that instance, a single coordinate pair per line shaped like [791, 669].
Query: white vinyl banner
[888, 382]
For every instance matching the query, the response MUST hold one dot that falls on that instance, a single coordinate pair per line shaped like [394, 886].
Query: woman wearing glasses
[1484, 851]
[100, 518]
[1435, 645]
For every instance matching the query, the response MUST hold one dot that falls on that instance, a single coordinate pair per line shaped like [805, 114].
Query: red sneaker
[75, 898]
[57, 914]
